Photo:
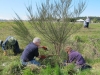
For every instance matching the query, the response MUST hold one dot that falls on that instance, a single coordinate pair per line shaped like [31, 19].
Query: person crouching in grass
[30, 52]
[10, 43]
[76, 58]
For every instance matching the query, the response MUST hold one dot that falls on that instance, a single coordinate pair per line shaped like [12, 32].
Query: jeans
[31, 62]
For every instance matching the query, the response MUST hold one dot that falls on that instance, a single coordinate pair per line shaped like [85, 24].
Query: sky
[8, 7]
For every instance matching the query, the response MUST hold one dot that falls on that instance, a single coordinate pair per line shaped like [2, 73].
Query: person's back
[76, 57]
[30, 52]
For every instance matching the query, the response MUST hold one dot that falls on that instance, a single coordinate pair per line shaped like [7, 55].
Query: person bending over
[10, 43]
[76, 58]
[30, 52]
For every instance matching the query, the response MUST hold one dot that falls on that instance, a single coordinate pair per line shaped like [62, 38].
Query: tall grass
[13, 66]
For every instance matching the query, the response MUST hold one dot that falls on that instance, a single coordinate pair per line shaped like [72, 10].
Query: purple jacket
[76, 57]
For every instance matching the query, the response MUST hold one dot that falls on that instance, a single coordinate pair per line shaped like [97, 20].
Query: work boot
[5, 53]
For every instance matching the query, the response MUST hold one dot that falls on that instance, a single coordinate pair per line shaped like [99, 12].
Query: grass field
[9, 63]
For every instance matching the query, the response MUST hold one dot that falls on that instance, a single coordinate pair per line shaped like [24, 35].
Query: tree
[95, 20]
[54, 21]
[21, 30]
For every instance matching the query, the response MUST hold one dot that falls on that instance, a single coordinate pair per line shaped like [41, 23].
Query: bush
[14, 68]
[27, 71]
[49, 70]
[85, 72]
[78, 39]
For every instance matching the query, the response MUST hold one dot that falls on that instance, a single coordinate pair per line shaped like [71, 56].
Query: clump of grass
[47, 70]
[14, 68]
[78, 38]
[85, 72]
[27, 71]
[57, 70]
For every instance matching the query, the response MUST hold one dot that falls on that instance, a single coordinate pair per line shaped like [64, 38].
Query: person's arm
[43, 47]
[71, 58]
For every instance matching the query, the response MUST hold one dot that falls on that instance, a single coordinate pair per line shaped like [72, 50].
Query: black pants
[87, 24]
[82, 67]
[16, 48]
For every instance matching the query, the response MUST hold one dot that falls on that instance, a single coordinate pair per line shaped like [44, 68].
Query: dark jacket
[30, 52]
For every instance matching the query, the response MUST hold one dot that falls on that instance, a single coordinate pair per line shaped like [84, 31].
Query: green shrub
[14, 68]
[47, 70]
[57, 70]
[27, 71]
[85, 72]
[78, 38]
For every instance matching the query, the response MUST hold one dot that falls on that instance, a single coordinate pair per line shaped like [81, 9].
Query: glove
[45, 48]
[42, 56]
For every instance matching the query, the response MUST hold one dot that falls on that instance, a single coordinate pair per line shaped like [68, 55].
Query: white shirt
[87, 20]
[84, 23]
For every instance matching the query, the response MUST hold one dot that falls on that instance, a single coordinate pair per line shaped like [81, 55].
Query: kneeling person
[12, 43]
[30, 52]
[76, 58]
